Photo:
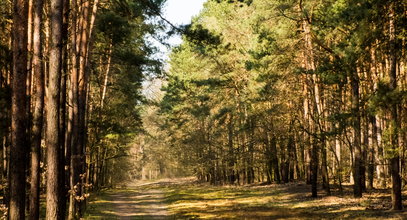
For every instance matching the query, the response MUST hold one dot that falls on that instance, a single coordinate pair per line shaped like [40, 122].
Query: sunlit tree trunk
[338, 158]
[38, 106]
[106, 78]
[309, 64]
[305, 122]
[52, 131]
[371, 154]
[72, 128]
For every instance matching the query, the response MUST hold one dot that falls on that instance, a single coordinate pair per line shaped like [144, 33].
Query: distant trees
[277, 91]
[60, 51]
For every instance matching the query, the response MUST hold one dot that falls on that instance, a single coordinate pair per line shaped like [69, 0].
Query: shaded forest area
[260, 91]
[71, 75]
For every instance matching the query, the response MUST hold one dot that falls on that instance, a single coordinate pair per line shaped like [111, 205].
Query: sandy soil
[136, 201]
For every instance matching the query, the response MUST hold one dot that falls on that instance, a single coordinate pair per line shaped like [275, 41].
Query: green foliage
[225, 69]
[121, 58]
[384, 97]
[113, 26]
[201, 37]
[248, 74]
[388, 140]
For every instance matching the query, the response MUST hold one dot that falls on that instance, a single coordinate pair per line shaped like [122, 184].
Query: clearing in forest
[186, 199]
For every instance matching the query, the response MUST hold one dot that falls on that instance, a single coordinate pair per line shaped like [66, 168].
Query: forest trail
[135, 201]
[146, 205]
[188, 199]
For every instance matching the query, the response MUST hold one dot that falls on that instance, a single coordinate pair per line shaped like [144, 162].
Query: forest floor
[186, 199]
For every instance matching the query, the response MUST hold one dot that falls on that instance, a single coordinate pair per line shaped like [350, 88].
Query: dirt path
[145, 205]
[186, 199]
[144, 201]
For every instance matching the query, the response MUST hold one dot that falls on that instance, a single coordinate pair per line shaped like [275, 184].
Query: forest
[287, 95]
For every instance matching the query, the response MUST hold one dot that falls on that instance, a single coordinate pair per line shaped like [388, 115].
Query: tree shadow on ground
[128, 204]
[170, 200]
[290, 201]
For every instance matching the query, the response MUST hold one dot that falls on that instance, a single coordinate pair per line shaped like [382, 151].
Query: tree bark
[357, 187]
[52, 114]
[314, 169]
[82, 88]
[313, 123]
[274, 158]
[18, 111]
[394, 123]
[307, 138]
[63, 110]
[106, 78]
[38, 107]
[72, 133]
[372, 146]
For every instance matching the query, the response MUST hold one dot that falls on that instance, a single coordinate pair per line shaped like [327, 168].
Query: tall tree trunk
[357, 187]
[72, 133]
[106, 78]
[364, 152]
[381, 172]
[307, 138]
[18, 111]
[82, 88]
[372, 146]
[52, 113]
[314, 168]
[61, 155]
[394, 123]
[231, 159]
[314, 118]
[38, 108]
[273, 145]
[29, 84]
[376, 126]
[324, 170]
[64, 180]
[338, 158]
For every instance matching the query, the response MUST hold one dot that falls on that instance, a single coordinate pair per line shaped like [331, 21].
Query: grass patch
[290, 201]
[190, 200]
[100, 207]
[210, 202]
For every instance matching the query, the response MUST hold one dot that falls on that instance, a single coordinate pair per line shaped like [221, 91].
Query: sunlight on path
[188, 199]
[135, 202]
[147, 205]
